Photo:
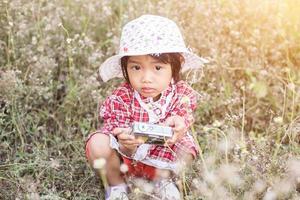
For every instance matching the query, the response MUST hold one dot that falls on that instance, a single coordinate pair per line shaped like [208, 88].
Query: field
[247, 120]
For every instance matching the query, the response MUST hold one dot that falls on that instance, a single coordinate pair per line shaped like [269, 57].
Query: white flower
[99, 163]
[293, 166]
[34, 40]
[124, 168]
[224, 146]
[270, 195]
[206, 129]
[69, 40]
[278, 120]
[291, 86]
[210, 177]
[136, 191]
[217, 124]
[259, 186]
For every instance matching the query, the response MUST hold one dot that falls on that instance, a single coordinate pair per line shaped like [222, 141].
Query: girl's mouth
[147, 90]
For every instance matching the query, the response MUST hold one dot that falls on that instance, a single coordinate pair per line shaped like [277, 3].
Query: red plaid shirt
[121, 109]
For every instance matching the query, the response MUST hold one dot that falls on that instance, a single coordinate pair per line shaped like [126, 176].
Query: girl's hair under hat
[174, 59]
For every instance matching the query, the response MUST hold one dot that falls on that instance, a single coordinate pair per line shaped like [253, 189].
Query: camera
[151, 133]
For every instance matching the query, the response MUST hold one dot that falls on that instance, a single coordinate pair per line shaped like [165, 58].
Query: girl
[151, 56]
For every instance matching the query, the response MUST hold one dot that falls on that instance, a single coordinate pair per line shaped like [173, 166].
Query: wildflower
[206, 129]
[249, 195]
[196, 182]
[278, 120]
[33, 196]
[284, 187]
[294, 168]
[202, 188]
[263, 72]
[224, 146]
[143, 185]
[99, 163]
[270, 195]
[124, 168]
[211, 177]
[136, 191]
[291, 86]
[217, 124]
[229, 173]
[259, 186]
[34, 40]
[54, 163]
[210, 160]
[34, 58]
[69, 40]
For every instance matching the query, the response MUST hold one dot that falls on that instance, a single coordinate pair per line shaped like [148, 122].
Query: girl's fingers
[129, 142]
[179, 133]
[169, 122]
[129, 146]
[179, 129]
[128, 139]
[171, 141]
[124, 136]
[118, 131]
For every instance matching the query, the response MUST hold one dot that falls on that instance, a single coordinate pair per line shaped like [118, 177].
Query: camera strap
[155, 110]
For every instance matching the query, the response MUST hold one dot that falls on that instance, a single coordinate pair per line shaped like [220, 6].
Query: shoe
[167, 190]
[118, 192]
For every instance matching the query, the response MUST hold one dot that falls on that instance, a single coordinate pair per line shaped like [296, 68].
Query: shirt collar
[162, 99]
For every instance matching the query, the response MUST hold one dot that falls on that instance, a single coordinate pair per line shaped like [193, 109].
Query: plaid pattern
[121, 109]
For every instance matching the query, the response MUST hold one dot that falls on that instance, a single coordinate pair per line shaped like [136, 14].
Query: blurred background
[247, 120]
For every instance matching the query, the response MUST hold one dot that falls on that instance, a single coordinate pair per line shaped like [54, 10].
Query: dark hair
[174, 59]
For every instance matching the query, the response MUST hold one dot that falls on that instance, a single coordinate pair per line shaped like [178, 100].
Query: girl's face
[148, 75]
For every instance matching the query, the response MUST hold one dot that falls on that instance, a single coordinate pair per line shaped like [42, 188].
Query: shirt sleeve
[186, 103]
[115, 113]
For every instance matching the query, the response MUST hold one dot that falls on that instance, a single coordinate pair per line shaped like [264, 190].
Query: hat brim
[111, 67]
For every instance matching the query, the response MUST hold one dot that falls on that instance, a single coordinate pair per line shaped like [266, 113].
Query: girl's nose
[147, 77]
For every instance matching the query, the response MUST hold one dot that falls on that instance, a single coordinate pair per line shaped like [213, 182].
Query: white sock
[122, 185]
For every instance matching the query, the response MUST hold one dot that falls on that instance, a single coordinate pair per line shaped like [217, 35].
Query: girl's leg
[98, 147]
[165, 187]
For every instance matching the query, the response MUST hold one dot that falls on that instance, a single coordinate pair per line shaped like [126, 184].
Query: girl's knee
[98, 146]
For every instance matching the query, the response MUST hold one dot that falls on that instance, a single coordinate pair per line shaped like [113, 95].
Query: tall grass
[247, 121]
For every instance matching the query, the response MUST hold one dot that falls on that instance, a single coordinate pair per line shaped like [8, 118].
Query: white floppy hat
[149, 34]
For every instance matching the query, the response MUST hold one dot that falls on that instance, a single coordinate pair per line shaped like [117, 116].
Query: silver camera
[151, 133]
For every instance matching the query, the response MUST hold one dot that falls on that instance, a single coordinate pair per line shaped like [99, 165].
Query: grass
[248, 117]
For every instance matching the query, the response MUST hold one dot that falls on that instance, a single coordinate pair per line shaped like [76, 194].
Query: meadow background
[247, 122]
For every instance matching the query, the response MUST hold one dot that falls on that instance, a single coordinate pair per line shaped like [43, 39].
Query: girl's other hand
[179, 128]
[128, 143]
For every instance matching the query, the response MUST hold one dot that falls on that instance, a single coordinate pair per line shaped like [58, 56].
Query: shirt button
[157, 111]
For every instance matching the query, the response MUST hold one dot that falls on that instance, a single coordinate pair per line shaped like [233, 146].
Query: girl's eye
[135, 67]
[158, 67]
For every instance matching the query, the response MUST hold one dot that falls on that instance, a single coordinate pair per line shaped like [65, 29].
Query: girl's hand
[128, 143]
[179, 128]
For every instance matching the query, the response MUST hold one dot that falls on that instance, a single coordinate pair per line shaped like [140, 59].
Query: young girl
[151, 56]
